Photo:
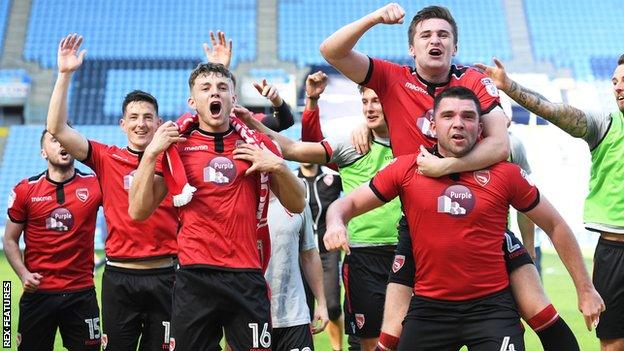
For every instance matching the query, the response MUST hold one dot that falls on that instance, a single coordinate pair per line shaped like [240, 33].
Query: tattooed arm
[570, 119]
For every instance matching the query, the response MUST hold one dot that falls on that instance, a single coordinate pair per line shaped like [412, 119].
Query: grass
[556, 280]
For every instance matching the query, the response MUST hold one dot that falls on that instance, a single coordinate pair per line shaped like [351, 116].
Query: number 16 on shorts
[260, 340]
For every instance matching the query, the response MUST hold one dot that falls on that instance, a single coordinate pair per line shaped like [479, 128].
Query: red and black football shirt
[59, 225]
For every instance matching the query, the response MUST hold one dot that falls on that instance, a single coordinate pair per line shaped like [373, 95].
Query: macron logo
[414, 87]
[41, 198]
[195, 148]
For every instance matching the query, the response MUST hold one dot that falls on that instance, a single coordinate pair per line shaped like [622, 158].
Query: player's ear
[44, 154]
[432, 127]
[122, 124]
[234, 98]
[411, 51]
[191, 103]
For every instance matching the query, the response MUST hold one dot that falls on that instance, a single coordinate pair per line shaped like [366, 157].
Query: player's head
[372, 110]
[212, 95]
[456, 121]
[432, 37]
[53, 152]
[618, 83]
[140, 119]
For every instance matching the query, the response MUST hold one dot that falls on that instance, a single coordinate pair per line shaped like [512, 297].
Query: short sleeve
[597, 127]
[524, 195]
[16, 206]
[486, 91]
[307, 241]
[342, 152]
[380, 75]
[388, 182]
[94, 155]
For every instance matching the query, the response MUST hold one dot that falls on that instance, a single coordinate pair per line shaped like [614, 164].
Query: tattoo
[572, 120]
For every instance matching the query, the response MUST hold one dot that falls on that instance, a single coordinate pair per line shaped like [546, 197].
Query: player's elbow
[297, 205]
[137, 213]
[326, 51]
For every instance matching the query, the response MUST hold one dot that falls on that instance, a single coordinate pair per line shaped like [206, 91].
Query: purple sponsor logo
[457, 200]
[220, 170]
[60, 220]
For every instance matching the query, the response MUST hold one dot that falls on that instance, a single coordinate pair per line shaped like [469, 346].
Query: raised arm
[69, 60]
[570, 119]
[148, 189]
[221, 50]
[337, 49]
[282, 117]
[341, 211]
[589, 301]
[13, 231]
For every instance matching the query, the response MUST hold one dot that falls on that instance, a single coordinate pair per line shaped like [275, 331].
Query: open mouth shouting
[458, 137]
[215, 109]
[435, 52]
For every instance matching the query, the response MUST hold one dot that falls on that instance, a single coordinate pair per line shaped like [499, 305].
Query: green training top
[379, 226]
[605, 202]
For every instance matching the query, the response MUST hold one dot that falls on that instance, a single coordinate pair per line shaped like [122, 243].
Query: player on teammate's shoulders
[407, 95]
[461, 297]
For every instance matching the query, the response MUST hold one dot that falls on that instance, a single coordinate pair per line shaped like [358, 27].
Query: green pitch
[556, 279]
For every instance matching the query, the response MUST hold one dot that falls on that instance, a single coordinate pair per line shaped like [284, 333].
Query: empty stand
[5, 7]
[140, 29]
[304, 24]
[571, 33]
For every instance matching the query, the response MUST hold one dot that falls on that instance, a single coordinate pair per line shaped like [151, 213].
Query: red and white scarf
[177, 182]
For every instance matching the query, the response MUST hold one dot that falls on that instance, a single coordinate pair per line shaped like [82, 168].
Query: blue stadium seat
[302, 28]
[141, 29]
[570, 33]
[5, 7]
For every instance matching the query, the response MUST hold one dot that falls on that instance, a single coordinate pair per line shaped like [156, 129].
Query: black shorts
[207, 301]
[76, 314]
[489, 323]
[293, 338]
[136, 303]
[403, 266]
[365, 275]
[608, 279]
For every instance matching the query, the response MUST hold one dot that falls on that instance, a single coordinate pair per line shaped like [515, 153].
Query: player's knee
[334, 312]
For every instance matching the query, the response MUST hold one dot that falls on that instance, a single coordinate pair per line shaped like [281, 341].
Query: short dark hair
[43, 133]
[205, 68]
[621, 60]
[138, 95]
[461, 93]
[429, 12]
